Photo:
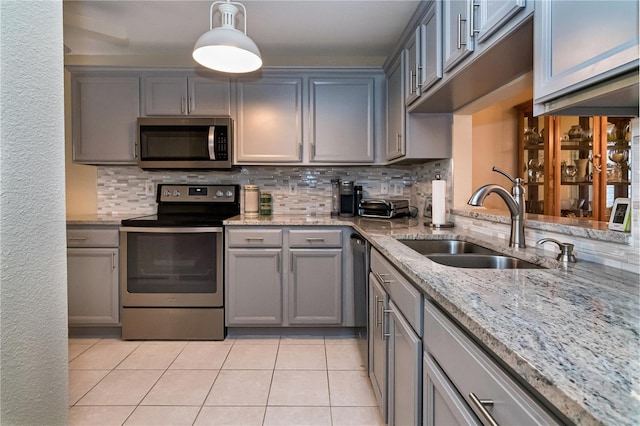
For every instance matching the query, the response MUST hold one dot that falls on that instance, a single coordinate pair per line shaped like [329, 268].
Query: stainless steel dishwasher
[360, 254]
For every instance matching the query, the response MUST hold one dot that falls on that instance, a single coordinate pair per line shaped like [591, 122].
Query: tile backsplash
[123, 190]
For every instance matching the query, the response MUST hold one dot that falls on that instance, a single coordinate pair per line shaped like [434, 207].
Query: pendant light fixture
[226, 48]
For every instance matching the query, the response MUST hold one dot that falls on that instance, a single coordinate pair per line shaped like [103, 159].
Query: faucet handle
[566, 250]
[515, 181]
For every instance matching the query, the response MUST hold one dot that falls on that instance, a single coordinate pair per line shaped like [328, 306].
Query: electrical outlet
[293, 188]
[398, 189]
[384, 188]
[148, 189]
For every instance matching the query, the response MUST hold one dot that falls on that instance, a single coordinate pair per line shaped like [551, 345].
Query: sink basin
[481, 261]
[445, 246]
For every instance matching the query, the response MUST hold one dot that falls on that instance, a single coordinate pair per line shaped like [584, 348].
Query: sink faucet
[514, 201]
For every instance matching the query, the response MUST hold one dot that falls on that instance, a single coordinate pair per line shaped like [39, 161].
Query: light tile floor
[269, 380]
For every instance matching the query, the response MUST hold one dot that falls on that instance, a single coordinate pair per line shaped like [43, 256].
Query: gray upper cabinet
[458, 37]
[269, 127]
[395, 112]
[431, 46]
[589, 49]
[186, 95]
[105, 108]
[342, 118]
[412, 67]
[491, 15]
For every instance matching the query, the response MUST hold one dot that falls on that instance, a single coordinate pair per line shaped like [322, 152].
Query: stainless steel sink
[427, 247]
[481, 261]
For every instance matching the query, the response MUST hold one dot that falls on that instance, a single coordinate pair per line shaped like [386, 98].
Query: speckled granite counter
[98, 219]
[572, 334]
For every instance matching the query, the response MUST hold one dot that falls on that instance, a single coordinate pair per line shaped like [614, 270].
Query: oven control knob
[229, 194]
[219, 194]
[167, 193]
[176, 193]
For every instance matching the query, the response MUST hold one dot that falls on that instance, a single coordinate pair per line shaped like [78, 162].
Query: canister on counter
[251, 200]
[265, 203]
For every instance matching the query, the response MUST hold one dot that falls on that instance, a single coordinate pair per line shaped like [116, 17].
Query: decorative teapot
[531, 137]
[575, 133]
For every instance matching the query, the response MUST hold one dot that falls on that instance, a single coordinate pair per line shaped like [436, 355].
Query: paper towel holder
[428, 213]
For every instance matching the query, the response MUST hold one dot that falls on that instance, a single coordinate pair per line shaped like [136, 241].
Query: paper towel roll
[438, 199]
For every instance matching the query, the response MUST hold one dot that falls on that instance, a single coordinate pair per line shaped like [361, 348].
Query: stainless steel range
[172, 273]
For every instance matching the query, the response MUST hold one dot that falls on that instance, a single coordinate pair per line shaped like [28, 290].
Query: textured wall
[33, 289]
[122, 189]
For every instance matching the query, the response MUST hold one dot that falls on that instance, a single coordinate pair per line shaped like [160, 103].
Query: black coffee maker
[350, 197]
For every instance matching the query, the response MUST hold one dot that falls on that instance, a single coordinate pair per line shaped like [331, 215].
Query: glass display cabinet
[574, 166]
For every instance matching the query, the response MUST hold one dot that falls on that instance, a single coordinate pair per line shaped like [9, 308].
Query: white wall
[33, 284]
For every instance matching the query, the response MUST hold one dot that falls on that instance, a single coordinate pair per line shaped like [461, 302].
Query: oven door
[171, 267]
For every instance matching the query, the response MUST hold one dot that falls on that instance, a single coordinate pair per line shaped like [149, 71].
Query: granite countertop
[571, 333]
[98, 219]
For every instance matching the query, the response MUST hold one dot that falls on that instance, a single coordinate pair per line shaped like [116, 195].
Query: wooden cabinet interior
[573, 166]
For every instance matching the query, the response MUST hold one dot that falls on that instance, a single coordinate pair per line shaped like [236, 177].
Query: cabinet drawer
[473, 372]
[315, 238]
[406, 297]
[86, 237]
[254, 237]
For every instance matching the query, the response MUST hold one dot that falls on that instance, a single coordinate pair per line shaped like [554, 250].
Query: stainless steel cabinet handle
[254, 239]
[77, 238]
[315, 240]
[384, 325]
[378, 302]
[460, 20]
[182, 105]
[380, 278]
[189, 100]
[472, 18]
[481, 405]
[418, 85]
[278, 262]
[113, 260]
[412, 83]
[211, 142]
[398, 139]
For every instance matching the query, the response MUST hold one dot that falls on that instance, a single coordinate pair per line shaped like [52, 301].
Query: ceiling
[288, 33]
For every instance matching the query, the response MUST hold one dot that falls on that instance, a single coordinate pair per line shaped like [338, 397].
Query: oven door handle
[211, 145]
[173, 230]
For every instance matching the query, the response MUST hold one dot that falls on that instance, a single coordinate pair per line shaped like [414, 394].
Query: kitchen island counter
[572, 333]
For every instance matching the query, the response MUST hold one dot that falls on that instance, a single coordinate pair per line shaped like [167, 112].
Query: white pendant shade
[225, 48]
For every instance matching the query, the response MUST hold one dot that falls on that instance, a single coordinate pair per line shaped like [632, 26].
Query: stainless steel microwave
[185, 142]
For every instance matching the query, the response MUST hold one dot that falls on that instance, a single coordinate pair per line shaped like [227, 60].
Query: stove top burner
[191, 206]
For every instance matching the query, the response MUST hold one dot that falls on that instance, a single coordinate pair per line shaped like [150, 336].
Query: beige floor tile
[99, 415]
[122, 387]
[256, 340]
[181, 387]
[240, 387]
[302, 340]
[165, 415]
[351, 389]
[202, 356]
[83, 340]
[301, 357]
[76, 349]
[356, 416]
[230, 416]
[340, 340]
[152, 355]
[297, 416]
[345, 356]
[251, 357]
[81, 382]
[102, 357]
[299, 388]
[117, 341]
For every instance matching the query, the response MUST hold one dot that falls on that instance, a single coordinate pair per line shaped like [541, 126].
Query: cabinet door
[378, 302]
[395, 113]
[431, 46]
[405, 371]
[253, 287]
[165, 95]
[458, 40]
[315, 286]
[491, 15]
[209, 96]
[104, 115]
[92, 286]
[580, 43]
[412, 70]
[269, 121]
[342, 119]
[441, 403]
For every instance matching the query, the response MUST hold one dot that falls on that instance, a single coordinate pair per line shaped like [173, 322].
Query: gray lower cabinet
[315, 286]
[481, 383]
[104, 110]
[441, 403]
[254, 292]
[378, 303]
[284, 277]
[93, 277]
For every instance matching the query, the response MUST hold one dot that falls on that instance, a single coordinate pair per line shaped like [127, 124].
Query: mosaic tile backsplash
[124, 190]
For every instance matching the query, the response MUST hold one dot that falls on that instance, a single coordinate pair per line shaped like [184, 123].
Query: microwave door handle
[212, 151]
